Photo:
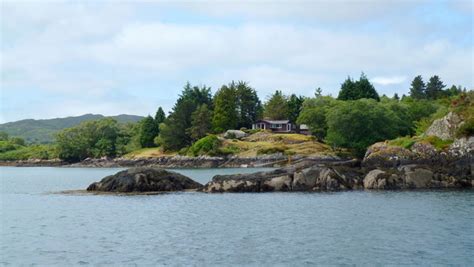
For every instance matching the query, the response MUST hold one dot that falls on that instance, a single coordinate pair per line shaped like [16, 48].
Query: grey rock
[144, 180]
[445, 128]
[235, 134]
[416, 177]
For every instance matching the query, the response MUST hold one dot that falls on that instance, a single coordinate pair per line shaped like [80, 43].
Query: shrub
[207, 145]
[466, 129]
[229, 150]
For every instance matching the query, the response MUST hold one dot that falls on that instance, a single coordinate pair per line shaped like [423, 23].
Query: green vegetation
[91, 139]
[405, 142]
[355, 120]
[200, 122]
[43, 131]
[272, 150]
[276, 107]
[358, 124]
[14, 148]
[174, 133]
[208, 145]
[225, 109]
[353, 90]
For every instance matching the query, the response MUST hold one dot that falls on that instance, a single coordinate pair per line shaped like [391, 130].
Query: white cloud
[388, 80]
[100, 49]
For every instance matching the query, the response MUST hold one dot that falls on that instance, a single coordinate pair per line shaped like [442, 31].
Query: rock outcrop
[144, 180]
[303, 176]
[445, 128]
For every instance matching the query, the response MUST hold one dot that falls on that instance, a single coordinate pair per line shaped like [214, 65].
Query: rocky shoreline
[275, 160]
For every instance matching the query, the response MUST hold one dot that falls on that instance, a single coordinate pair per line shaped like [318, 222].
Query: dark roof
[275, 121]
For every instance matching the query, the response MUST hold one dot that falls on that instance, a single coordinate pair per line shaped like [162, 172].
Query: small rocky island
[144, 180]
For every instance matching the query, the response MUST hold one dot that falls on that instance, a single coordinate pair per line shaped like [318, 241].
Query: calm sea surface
[37, 227]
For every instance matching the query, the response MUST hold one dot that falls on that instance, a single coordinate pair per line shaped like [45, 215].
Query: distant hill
[42, 131]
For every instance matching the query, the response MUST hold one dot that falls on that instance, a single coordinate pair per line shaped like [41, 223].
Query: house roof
[275, 121]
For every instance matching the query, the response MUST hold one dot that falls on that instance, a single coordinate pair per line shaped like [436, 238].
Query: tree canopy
[225, 109]
[174, 133]
[276, 107]
[353, 90]
[88, 139]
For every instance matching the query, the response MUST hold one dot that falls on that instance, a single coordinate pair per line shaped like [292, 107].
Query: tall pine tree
[295, 103]
[434, 88]
[249, 107]
[174, 133]
[225, 109]
[148, 131]
[418, 87]
[160, 116]
[276, 107]
[200, 122]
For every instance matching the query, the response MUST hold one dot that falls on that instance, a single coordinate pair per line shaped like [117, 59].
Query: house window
[276, 126]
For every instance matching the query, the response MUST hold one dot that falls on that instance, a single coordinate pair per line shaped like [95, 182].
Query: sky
[68, 58]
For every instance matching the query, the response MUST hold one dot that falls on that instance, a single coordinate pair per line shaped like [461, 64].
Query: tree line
[355, 119]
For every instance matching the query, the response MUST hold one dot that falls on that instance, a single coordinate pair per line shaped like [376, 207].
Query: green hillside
[42, 131]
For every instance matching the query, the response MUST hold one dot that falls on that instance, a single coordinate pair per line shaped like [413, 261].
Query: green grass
[405, 142]
[437, 142]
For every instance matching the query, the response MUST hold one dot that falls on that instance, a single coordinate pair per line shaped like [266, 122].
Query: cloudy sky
[62, 59]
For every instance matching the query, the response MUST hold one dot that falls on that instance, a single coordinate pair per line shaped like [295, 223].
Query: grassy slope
[257, 144]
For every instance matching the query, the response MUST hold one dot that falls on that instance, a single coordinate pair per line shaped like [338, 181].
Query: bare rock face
[277, 180]
[144, 180]
[378, 179]
[415, 177]
[384, 155]
[445, 128]
[315, 178]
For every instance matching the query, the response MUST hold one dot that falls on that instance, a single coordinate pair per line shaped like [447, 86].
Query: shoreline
[275, 161]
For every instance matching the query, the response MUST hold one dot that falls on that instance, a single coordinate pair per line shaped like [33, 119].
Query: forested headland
[350, 122]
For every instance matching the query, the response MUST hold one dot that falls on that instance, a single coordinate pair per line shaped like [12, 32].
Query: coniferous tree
[174, 133]
[160, 116]
[418, 88]
[276, 107]
[295, 103]
[225, 115]
[362, 88]
[148, 131]
[347, 90]
[396, 97]
[200, 122]
[319, 92]
[434, 88]
[249, 107]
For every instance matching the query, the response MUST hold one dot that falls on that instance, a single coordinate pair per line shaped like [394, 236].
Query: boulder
[144, 180]
[416, 177]
[379, 179]
[231, 134]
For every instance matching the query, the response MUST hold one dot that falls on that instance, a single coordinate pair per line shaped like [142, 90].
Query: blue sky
[70, 58]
